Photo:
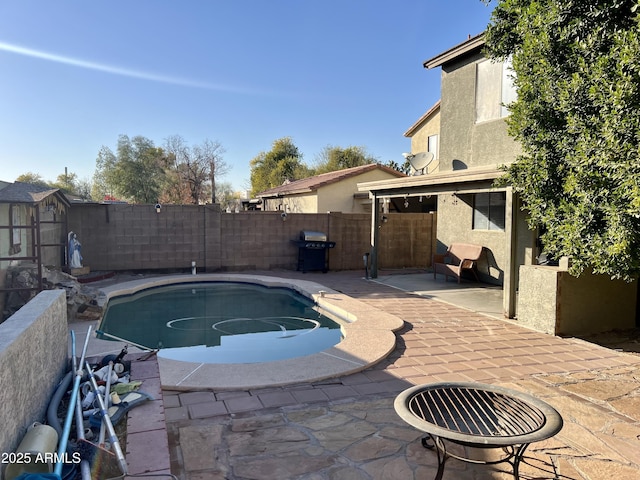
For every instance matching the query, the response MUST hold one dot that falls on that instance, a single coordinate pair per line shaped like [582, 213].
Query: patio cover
[470, 180]
[453, 182]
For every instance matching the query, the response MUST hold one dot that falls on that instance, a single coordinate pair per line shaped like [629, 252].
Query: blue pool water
[221, 322]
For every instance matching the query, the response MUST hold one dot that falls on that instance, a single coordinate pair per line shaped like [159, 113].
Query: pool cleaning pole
[85, 468]
[107, 397]
[141, 347]
[62, 447]
[113, 438]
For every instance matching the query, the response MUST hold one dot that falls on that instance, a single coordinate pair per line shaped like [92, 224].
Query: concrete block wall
[135, 237]
[115, 237]
[33, 359]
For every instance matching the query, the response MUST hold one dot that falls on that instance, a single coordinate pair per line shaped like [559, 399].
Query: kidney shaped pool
[221, 322]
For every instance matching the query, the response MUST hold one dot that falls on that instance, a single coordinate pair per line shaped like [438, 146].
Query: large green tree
[136, 172]
[577, 116]
[338, 158]
[32, 178]
[102, 187]
[271, 169]
[67, 182]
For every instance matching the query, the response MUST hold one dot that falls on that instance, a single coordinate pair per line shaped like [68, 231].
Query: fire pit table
[478, 416]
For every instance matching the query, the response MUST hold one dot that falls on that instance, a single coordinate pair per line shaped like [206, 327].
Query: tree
[139, 171]
[226, 197]
[103, 185]
[404, 168]
[191, 171]
[337, 158]
[210, 153]
[33, 178]
[577, 116]
[135, 172]
[84, 188]
[271, 169]
[175, 189]
[66, 182]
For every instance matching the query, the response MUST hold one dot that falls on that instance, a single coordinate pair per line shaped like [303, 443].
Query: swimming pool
[368, 337]
[221, 322]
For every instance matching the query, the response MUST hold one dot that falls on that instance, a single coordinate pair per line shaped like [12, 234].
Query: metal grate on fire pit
[471, 413]
[477, 412]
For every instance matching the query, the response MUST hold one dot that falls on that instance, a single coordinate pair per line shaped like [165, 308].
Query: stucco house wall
[294, 203]
[456, 212]
[554, 302]
[425, 127]
[420, 139]
[463, 142]
[335, 191]
[339, 196]
[466, 143]
[33, 358]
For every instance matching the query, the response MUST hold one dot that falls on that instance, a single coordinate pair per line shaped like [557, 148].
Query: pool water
[221, 322]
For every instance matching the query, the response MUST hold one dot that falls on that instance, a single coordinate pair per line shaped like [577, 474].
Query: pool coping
[368, 338]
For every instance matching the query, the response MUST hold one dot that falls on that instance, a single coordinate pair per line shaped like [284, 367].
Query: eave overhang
[470, 180]
[471, 45]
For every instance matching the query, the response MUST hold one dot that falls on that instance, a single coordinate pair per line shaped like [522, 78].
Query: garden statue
[75, 257]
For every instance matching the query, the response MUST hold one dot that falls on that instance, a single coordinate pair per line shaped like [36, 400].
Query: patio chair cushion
[459, 257]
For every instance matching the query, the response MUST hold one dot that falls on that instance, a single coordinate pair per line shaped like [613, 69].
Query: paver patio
[346, 428]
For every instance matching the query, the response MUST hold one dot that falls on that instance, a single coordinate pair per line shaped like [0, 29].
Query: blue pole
[62, 447]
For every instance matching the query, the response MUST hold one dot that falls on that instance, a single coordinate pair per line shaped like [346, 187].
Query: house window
[494, 89]
[489, 211]
[432, 145]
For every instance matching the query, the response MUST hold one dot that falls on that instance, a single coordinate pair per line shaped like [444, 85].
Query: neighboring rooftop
[311, 184]
[19, 192]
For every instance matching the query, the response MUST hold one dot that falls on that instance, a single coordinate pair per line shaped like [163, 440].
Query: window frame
[433, 147]
[494, 90]
[489, 215]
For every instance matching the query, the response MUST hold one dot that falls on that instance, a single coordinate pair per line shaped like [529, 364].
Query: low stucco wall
[33, 358]
[553, 301]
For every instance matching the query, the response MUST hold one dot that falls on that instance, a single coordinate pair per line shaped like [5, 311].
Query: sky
[77, 74]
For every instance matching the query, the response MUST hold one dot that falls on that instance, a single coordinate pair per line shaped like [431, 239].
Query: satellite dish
[421, 160]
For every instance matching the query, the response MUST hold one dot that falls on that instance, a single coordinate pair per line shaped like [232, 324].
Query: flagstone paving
[346, 429]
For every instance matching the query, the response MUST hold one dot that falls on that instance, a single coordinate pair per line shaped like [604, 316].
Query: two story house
[472, 145]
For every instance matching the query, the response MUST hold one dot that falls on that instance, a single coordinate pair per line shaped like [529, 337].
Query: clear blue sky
[77, 74]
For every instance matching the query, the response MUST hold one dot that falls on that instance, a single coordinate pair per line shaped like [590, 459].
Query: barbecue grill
[313, 251]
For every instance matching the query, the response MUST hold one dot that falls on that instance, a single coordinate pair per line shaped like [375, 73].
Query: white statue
[75, 257]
